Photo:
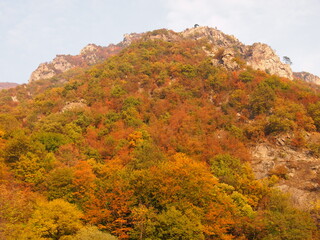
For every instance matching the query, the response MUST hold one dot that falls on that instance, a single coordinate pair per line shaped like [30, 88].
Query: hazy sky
[34, 31]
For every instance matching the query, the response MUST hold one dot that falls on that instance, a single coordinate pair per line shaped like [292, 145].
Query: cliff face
[308, 77]
[224, 49]
[261, 56]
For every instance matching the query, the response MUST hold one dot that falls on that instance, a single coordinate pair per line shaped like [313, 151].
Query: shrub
[277, 125]
[246, 76]
[92, 233]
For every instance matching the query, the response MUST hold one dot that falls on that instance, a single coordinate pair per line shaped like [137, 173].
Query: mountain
[166, 135]
[89, 55]
[308, 77]
[225, 50]
[7, 85]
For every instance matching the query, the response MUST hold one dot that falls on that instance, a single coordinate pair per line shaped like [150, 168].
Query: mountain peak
[259, 56]
[91, 47]
[225, 50]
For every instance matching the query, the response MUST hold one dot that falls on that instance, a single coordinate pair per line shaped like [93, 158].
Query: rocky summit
[225, 50]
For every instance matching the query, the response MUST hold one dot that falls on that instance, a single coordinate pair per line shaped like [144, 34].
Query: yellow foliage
[135, 138]
[55, 219]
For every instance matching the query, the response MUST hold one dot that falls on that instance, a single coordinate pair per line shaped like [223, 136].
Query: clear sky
[34, 31]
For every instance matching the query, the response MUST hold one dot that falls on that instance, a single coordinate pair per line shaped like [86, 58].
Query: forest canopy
[152, 143]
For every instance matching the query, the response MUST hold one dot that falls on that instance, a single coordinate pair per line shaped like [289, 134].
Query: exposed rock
[228, 60]
[300, 198]
[90, 48]
[261, 57]
[129, 38]
[89, 55]
[61, 64]
[14, 99]
[298, 171]
[308, 77]
[225, 50]
[74, 106]
[44, 71]
[216, 37]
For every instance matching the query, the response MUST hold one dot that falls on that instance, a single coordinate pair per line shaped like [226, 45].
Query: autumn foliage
[157, 150]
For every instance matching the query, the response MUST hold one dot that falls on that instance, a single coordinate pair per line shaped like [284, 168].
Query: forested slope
[153, 143]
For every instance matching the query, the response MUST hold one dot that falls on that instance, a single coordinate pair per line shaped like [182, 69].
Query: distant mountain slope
[7, 85]
[308, 77]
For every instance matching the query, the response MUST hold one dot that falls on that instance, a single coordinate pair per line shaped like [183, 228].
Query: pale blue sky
[34, 31]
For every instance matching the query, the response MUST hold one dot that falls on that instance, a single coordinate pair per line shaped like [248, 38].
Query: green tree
[29, 169]
[92, 233]
[117, 91]
[60, 183]
[51, 140]
[8, 123]
[173, 224]
[314, 112]
[277, 125]
[229, 169]
[262, 99]
[16, 147]
[246, 76]
[144, 222]
[284, 222]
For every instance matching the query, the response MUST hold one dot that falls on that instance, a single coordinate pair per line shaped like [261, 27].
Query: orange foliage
[83, 184]
[110, 210]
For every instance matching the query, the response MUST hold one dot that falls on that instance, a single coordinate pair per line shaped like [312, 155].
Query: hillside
[189, 135]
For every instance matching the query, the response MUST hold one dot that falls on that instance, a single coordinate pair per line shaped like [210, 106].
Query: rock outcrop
[129, 38]
[225, 50]
[74, 106]
[89, 55]
[308, 77]
[261, 57]
[298, 171]
[217, 38]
